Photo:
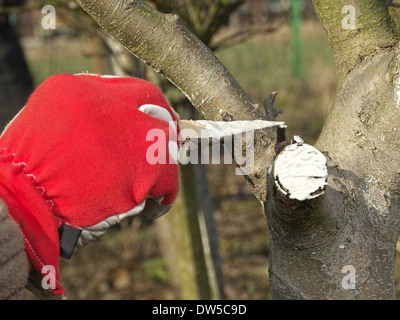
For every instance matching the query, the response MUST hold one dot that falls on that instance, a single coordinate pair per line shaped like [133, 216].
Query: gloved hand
[74, 161]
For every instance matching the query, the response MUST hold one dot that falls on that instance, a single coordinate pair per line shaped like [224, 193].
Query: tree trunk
[338, 243]
[181, 227]
[353, 230]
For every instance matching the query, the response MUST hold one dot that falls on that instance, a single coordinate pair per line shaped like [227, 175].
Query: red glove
[74, 159]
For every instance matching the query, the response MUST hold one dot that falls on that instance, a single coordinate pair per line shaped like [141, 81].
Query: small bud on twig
[268, 103]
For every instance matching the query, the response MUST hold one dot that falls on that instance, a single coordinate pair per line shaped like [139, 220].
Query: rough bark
[356, 223]
[374, 31]
[364, 154]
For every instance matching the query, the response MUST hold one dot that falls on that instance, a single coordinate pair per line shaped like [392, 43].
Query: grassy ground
[126, 263]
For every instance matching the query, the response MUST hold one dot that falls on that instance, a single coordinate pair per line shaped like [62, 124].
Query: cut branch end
[300, 172]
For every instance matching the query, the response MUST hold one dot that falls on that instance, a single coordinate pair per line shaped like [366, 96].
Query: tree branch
[193, 10]
[373, 30]
[246, 33]
[166, 45]
[394, 12]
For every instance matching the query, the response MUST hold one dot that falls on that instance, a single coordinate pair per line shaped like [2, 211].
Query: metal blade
[204, 129]
[198, 135]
